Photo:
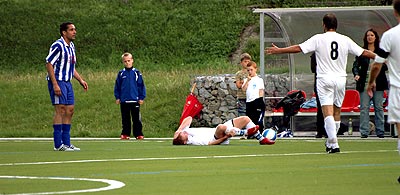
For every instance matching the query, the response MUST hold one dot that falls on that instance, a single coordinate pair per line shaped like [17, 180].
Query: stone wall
[218, 95]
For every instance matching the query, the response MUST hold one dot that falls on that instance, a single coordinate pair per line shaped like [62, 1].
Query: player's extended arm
[368, 54]
[276, 50]
[219, 140]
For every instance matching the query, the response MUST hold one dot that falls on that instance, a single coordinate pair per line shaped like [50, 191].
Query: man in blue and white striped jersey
[60, 65]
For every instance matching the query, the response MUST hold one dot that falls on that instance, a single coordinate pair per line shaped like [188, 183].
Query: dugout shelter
[289, 26]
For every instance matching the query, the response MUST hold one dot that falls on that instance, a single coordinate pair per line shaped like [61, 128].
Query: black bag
[291, 102]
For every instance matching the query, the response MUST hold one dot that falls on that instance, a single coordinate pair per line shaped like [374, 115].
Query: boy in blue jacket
[129, 92]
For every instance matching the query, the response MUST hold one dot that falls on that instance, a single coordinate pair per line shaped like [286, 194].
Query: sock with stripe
[258, 136]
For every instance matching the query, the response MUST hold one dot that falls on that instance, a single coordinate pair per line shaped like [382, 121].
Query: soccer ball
[270, 134]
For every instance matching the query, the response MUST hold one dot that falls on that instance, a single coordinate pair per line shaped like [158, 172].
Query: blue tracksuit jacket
[129, 85]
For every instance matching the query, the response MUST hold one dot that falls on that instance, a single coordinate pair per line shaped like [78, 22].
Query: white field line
[190, 157]
[112, 184]
[170, 139]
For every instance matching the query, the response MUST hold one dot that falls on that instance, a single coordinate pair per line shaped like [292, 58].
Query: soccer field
[291, 166]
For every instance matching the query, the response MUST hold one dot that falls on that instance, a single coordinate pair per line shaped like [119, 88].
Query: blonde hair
[126, 54]
[245, 56]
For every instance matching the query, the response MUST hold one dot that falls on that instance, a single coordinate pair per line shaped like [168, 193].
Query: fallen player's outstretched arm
[219, 140]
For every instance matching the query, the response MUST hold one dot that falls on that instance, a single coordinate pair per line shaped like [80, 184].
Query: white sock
[250, 125]
[330, 128]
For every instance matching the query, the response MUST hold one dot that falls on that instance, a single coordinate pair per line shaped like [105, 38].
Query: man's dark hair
[177, 141]
[396, 6]
[64, 27]
[330, 21]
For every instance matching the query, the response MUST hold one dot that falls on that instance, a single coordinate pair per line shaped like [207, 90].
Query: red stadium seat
[351, 101]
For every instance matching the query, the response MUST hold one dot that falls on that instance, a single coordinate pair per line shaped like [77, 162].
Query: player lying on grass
[239, 126]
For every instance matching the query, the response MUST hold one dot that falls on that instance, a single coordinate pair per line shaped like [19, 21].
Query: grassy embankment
[171, 40]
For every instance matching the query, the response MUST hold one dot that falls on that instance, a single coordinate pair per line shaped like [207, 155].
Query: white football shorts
[394, 105]
[331, 90]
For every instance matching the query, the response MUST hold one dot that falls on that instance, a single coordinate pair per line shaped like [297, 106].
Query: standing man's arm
[276, 50]
[369, 54]
[375, 69]
[81, 81]
[52, 77]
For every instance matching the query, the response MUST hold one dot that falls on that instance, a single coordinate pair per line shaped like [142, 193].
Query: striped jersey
[62, 57]
[331, 50]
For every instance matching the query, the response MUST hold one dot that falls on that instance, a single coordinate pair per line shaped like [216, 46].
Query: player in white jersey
[390, 46]
[239, 126]
[331, 49]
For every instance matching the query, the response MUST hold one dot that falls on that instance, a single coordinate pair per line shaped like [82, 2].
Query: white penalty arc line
[112, 184]
[185, 158]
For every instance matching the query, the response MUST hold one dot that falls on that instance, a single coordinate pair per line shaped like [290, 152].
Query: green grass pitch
[291, 166]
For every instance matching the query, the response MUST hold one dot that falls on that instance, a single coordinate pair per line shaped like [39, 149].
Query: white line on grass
[113, 184]
[189, 157]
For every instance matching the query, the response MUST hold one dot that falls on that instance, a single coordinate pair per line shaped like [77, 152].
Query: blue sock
[57, 135]
[66, 137]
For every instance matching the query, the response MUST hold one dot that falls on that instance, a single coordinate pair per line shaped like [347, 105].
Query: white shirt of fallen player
[253, 88]
[331, 49]
[201, 136]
